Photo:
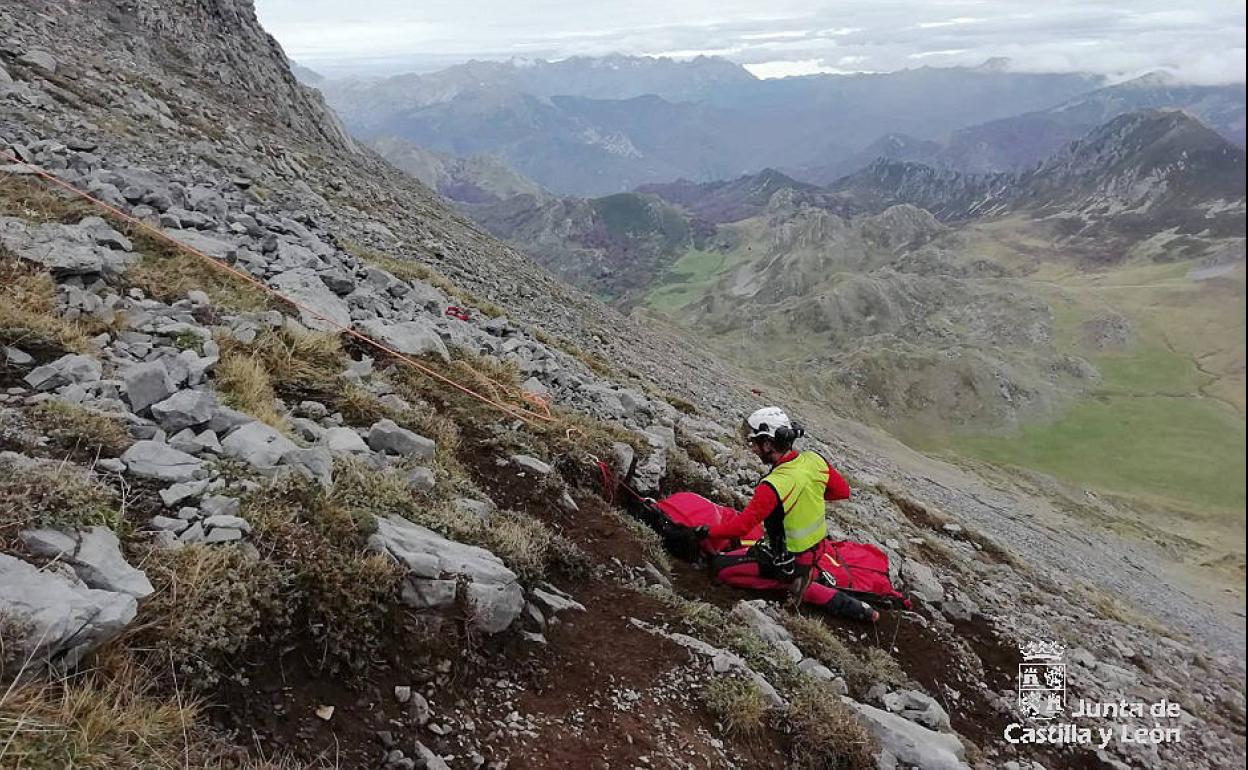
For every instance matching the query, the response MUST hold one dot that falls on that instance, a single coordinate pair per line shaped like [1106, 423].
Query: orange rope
[523, 414]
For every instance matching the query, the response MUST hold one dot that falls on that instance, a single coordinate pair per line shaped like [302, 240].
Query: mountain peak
[996, 64]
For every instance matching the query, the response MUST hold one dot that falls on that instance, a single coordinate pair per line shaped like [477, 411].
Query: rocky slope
[210, 493]
[481, 179]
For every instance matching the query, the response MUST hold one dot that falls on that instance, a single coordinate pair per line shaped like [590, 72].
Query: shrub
[738, 705]
[84, 431]
[343, 596]
[211, 603]
[826, 733]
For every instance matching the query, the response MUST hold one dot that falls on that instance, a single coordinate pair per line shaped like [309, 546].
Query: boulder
[95, 556]
[319, 307]
[918, 707]
[343, 440]
[910, 743]
[65, 370]
[492, 588]
[184, 409]
[257, 444]
[316, 463]
[62, 619]
[40, 60]
[154, 460]
[922, 581]
[147, 384]
[414, 338]
[386, 436]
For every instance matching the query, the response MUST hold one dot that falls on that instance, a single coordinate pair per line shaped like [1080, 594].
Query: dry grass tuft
[532, 548]
[738, 705]
[292, 362]
[97, 719]
[167, 272]
[37, 201]
[815, 639]
[826, 733]
[85, 433]
[28, 316]
[57, 495]
[244, 384]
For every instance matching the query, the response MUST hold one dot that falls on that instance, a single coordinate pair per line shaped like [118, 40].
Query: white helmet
[771, 422]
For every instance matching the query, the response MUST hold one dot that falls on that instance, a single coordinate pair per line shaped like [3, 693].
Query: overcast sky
[1199, 40]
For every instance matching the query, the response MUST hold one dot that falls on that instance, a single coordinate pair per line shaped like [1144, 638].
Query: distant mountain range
[1140, 175]
[1022, 141]
[596, 126]
[1153, 182]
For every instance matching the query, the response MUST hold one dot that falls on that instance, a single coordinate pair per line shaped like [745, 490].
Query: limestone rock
[65, 619]
[492, 588]
[910, 743]
[154, 460]
[414, 338]
[184, 409]
[146, 384]
[95, 556]
[322, 309]
[386, 436]
[257, 444]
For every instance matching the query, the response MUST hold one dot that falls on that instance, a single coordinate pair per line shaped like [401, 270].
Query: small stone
[419, 708]
[222, 535]
[227, 521]
[421, 479]
[221, 505]
[166, 523]
[325, 712]
[193, 534]
[532, 464]
[344, 440]
[387, 436]
[402, 693]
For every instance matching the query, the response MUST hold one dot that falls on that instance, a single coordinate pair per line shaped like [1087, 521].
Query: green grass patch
[1188, 451]
[1151, 370]
[688, 278]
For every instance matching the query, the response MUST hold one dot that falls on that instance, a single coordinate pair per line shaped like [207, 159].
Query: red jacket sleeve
[838, 487]
[761, 504]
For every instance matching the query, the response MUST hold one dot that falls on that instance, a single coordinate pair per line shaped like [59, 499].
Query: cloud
[1203, 41]
[948, 22]
[786, 68]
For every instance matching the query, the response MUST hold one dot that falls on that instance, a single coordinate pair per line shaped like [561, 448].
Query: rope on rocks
[526, 415]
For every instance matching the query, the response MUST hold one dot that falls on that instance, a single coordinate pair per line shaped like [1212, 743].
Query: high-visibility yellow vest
[800, 483]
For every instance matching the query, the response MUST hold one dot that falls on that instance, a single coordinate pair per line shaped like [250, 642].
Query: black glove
[683, 541]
